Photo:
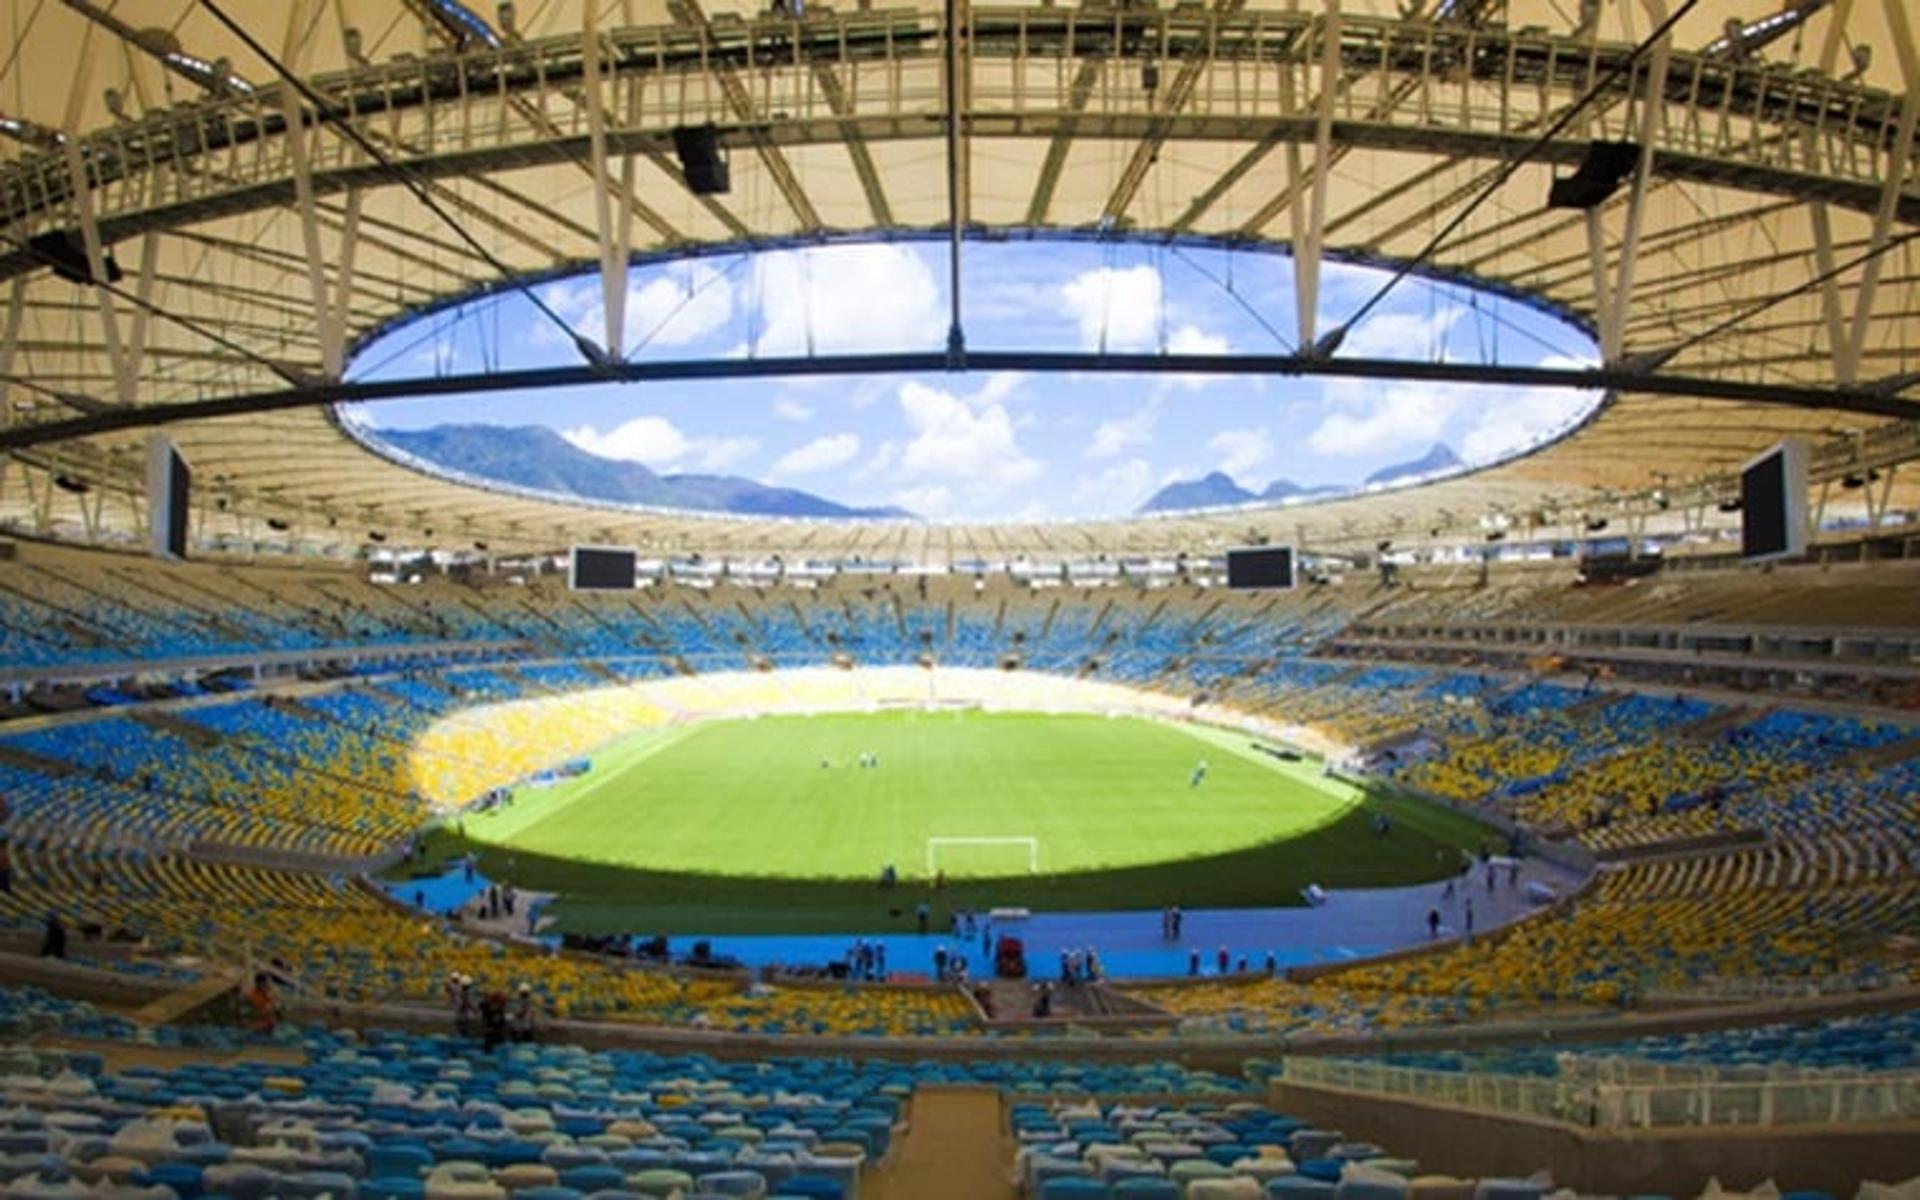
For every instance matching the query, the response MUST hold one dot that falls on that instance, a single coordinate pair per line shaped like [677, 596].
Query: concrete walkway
[957, 1147]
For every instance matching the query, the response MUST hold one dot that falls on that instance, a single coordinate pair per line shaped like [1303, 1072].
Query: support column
[1309, 225]
[343, 281]
[89, 224]
[1847, 366]
[299, 139]
[1653, 108]
[614, 237]
[1877, 509]
[10, 344]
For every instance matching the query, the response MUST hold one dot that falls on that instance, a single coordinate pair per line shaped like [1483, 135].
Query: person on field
[1199, 774]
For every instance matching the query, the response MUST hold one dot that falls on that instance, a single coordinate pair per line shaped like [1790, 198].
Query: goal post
[1029, 845]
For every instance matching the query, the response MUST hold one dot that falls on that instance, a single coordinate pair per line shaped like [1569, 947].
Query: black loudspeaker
[1599, 175]
[66, 253]
[698, 148]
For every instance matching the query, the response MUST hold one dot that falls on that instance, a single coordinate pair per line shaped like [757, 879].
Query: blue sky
[999, 445]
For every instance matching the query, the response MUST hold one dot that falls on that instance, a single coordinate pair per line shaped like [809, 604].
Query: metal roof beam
[752, 123]
[1147, 151]
[1611, 378]
[1075, 102]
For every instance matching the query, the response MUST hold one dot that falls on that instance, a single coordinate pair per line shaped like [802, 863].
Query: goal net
[983, 855]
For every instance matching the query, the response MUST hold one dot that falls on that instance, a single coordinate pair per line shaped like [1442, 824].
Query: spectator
[263, 1004]
[493, 1019]
[521, 1020]
[53, 943]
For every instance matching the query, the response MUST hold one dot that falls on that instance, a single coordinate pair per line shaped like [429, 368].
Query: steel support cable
[329, 115]
[1330, 342]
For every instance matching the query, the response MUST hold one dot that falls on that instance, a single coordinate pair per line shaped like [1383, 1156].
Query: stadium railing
[1696, 1103]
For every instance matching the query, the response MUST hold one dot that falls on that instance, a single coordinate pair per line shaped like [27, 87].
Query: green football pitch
[736, 825]
[784, 796]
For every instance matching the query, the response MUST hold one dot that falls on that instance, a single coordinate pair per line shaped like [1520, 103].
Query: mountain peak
[1210, 490]
[534, 456]
[1439, 457]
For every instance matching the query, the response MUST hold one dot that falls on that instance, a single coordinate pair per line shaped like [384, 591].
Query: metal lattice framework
[1758, 276]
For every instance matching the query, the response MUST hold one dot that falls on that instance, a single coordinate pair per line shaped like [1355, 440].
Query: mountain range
[533, 456]
[1219, 488]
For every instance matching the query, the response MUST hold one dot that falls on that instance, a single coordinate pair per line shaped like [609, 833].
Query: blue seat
[1144, 1187]
[1073, 1187]
[813, 1187]
[398, 1160]
[310, 1185]
[750, 1185]
[185, 1179]
[393, 1189]
[594, 1178]
[512, 1153]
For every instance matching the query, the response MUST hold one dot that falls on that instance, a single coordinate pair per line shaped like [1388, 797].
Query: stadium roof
[1762, 279]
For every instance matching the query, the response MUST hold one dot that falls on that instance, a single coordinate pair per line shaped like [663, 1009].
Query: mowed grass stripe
[611, 765]
[749, 797]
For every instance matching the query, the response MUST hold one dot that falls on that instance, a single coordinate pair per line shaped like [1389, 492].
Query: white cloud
[665, 306]
[660, 444]
[1117, 435]
[999, 386]
[882, 462]
[1401, 414]
[955, 438]
[788, 409]
[1241, 450]
[1116, 488]
[1115, 309]
[1402, 334]
[1191, 339]
[847, 298]
[722, 454]
[1498, 421]
[1512, 419]
[1380, 418]
[648, 440]
[820, 454]
[935, 500]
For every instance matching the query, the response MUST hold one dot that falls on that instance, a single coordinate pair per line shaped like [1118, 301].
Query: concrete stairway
[957, 1146]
